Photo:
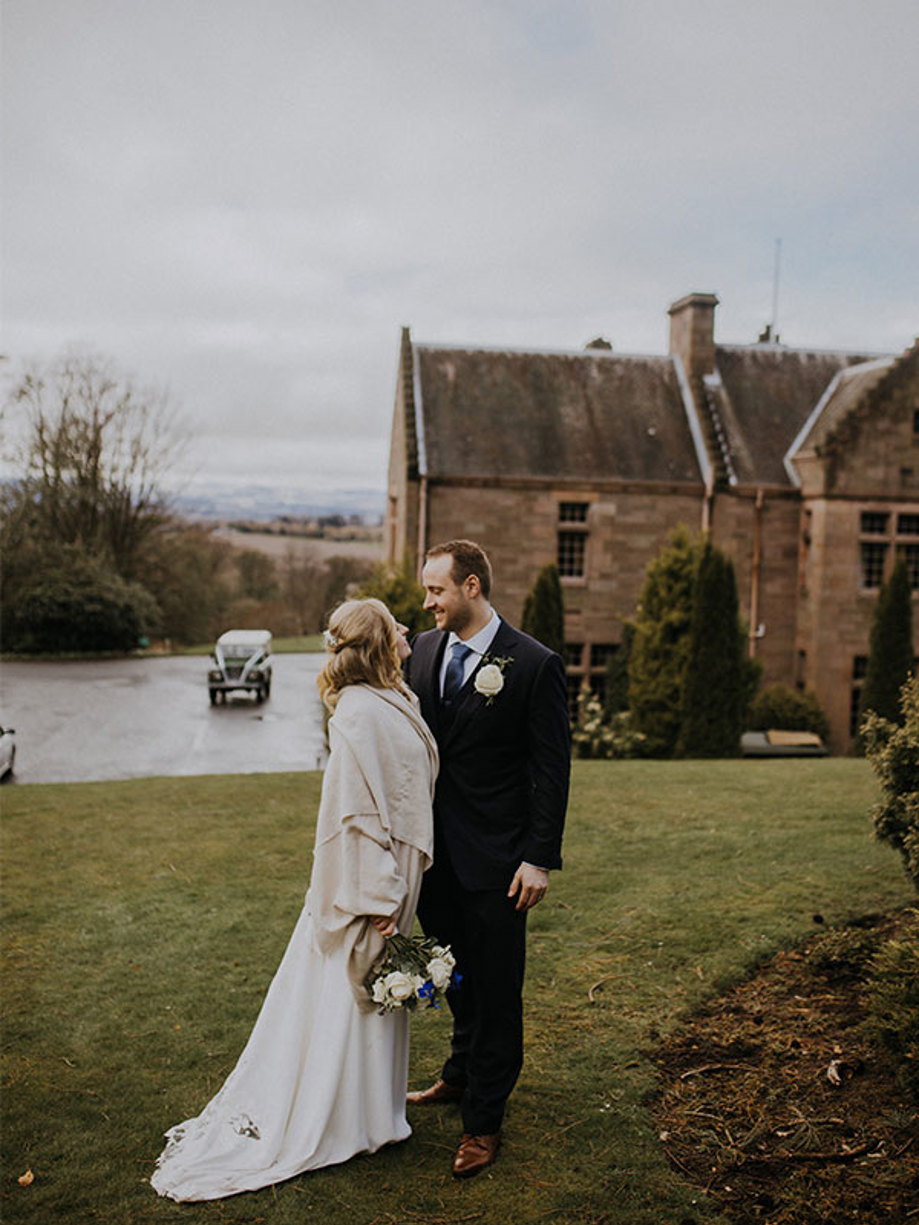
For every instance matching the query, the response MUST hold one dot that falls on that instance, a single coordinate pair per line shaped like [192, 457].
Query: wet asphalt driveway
[135, 718]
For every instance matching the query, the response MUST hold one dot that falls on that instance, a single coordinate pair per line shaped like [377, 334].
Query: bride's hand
[385, 926]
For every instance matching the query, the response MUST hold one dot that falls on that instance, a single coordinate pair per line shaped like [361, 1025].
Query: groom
[496, 702]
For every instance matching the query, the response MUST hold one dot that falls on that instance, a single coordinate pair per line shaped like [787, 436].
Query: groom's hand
[528, 886]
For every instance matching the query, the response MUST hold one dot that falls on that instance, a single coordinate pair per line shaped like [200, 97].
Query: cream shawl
[374, 834]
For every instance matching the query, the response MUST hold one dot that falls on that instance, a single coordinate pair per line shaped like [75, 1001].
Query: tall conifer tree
[715, 688]
[890, 648]
[544, 610]
[660, 646]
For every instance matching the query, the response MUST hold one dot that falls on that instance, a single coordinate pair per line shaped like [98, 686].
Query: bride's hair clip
[330, 640]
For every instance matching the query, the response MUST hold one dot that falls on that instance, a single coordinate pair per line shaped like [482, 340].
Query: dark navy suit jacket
[502, 790]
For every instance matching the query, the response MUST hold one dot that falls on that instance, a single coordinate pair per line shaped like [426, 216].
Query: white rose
[440, 972]
[489, 680]
[399, 986]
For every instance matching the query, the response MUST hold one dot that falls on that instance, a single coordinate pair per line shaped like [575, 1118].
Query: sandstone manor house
[802, 464]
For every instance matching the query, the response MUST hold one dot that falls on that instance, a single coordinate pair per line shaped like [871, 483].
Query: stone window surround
[572, 549]
[883, 533]
[571, 539]
[588, 662]
[872, 562]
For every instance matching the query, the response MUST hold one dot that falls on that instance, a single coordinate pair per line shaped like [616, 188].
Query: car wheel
[212, 694]
[260, 695]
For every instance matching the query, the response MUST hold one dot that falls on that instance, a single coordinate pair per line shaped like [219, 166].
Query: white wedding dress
[318, 1082]
[322, 1079]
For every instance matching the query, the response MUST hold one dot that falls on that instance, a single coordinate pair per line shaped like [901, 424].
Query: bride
[323, 1075]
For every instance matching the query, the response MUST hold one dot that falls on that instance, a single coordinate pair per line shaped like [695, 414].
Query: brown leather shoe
[474, 1154]
[439, 1094]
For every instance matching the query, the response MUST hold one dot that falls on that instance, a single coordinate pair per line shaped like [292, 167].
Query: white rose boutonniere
[489, 680]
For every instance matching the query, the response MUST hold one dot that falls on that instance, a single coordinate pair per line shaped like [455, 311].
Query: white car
[7, 751]
[241, 660]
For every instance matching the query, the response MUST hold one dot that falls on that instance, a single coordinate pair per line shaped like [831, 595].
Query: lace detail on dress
[243, 1126]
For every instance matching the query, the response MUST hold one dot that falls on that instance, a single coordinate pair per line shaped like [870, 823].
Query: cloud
[245, 202]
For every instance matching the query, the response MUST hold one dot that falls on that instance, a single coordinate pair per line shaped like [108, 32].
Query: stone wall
[518, 527]
[835, 608]
[776, 515]
[835, 612]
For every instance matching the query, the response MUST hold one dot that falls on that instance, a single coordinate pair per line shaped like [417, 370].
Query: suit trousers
[488, 939]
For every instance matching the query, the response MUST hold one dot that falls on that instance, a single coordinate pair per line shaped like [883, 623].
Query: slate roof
[852, 386]
[589, 415]
[767, 394]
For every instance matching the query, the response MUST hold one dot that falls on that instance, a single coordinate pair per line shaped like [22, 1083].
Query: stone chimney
[692, 333]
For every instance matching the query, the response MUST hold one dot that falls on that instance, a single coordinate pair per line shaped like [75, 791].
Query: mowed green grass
[144, 920]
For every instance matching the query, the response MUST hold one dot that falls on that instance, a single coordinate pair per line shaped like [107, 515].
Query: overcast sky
[243, 200]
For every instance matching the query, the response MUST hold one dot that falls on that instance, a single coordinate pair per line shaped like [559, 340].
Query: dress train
[318, 1082]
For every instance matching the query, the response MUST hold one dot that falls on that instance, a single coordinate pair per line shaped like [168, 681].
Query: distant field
[301, 546]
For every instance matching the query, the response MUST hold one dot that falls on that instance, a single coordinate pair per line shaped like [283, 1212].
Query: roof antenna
[770, 333]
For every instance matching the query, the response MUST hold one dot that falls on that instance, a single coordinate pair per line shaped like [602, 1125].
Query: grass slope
[144, 921]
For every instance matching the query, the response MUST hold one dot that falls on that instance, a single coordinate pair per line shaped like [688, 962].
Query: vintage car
[7, 751]
[241, 660]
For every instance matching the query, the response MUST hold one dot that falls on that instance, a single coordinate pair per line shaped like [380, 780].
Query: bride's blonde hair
[363, 643]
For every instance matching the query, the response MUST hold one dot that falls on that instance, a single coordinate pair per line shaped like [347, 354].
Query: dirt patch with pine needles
[777, 1104]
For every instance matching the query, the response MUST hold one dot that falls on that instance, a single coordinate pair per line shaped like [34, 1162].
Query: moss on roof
[592, 415]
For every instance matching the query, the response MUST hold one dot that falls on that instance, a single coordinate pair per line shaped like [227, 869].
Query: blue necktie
[453, 681]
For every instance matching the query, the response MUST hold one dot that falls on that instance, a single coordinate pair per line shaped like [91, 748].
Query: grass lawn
[144, 920]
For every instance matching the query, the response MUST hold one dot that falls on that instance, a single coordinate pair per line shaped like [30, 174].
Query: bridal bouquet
[414, 973]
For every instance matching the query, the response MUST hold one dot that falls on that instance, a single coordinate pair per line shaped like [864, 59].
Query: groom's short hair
[468, 558]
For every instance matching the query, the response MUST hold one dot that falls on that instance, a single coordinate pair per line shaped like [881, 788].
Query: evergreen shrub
[544, 611]
[894, 753]
[890, 650]
[892, 1000]
[660, 645]
[779, 706]
[616, 689]
[844, 952]
[76, 602]
[715, 692]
